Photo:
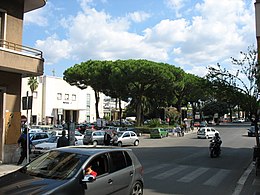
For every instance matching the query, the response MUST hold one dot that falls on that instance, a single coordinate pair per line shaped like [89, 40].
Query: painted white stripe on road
[217, 178]
[242, 180]
[153, 169]
[170, 172]
[193, 175]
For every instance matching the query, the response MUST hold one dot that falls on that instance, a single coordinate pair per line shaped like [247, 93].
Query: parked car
[35, 130]
[62, 171]
[196, 124]
[78, 136]
[158, 133]
[206, 132]
[126, 138]
[39, 137]
[94, 137]
[43, 147]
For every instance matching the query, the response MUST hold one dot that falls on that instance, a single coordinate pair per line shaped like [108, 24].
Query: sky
[191, 34]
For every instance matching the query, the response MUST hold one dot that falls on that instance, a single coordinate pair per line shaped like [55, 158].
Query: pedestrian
[114, 138]
[107, 139]
[22, 143]
[63, 140]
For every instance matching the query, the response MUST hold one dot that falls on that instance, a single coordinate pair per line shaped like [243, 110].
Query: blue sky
[191, 34]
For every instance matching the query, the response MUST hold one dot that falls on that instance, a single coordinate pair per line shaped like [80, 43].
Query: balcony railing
[20, 48]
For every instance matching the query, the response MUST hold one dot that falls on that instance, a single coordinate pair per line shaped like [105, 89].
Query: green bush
[154, 123]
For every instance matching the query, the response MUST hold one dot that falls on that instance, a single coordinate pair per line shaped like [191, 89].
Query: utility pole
[257, 22]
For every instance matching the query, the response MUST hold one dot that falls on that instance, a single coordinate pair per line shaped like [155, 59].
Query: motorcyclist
[217, 140]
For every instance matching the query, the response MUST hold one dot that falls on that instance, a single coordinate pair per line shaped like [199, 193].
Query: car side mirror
[89, 178]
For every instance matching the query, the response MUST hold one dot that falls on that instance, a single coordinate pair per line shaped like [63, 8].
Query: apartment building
[55, 101]
[16, 62]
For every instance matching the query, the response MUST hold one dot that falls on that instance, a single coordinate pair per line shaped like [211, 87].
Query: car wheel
[137, 189]
[136, 143]
[95, 143]
[119, 144]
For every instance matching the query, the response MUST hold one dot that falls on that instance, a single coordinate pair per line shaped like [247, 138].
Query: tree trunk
[256, 129]
[138, 110]
[120, 111]
[96, 104]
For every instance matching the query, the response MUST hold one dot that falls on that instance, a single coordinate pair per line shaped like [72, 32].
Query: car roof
[90, 150]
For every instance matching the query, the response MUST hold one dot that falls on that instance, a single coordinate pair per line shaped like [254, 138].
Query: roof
[90, 150]
[30, 5]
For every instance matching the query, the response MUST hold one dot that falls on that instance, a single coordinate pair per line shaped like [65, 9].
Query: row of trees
[148, 85]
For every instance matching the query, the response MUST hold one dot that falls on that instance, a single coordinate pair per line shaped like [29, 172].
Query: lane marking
[170, 172]
[193, 175]
[243, 179]
[153, 169]
[217, 178]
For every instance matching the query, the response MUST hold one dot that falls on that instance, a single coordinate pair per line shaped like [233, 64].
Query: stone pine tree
[33, 84]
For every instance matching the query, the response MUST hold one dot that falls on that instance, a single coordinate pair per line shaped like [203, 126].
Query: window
[118, 161]
[73, 97]
[126, 135]
[35, 94]
[2, 24]
[59, 96]
[100, 164]
[66, 96]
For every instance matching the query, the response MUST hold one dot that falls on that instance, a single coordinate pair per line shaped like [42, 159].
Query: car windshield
[119, 134]
[55, 165]
[88, 133]
[52, 139]
[155, 131]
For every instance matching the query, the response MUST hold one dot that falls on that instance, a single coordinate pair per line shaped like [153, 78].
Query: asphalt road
[181, 165]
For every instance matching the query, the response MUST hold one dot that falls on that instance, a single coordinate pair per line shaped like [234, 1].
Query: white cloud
[218, 31]
[139, 16]
[175, 5]
[54, 49]
[36, 17]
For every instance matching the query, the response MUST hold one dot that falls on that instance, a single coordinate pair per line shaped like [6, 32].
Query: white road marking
[217, 178]
[153, 169]
[170, 172]
[242, 180]
[193, 175]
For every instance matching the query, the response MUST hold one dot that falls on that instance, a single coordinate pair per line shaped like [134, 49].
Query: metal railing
[20, 48]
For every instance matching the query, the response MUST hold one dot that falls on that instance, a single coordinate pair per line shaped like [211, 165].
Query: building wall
[48, 101]
[14, 20]
[10, 84]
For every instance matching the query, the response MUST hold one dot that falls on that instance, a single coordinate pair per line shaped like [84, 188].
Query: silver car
[94, 137]
[62, 171]
[125, 138]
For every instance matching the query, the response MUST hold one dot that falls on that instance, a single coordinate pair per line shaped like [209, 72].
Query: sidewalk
[7, 168]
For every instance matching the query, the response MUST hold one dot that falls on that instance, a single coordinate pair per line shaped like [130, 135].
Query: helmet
[216, 134]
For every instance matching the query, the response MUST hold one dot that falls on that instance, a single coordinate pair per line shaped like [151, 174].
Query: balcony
[30, 5]
[20, 59]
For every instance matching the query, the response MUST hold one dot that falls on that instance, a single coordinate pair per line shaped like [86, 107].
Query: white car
[126, 138]
[206, 132]
[78, 136]
[51, 143]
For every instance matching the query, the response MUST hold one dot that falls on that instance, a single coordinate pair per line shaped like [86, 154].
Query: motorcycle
[214, 148]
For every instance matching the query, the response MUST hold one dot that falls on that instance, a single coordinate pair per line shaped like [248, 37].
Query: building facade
[55, 102]
[16, 61]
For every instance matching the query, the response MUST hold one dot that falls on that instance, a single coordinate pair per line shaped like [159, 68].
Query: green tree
[33, 84]
[245, 80]
[90, 73]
